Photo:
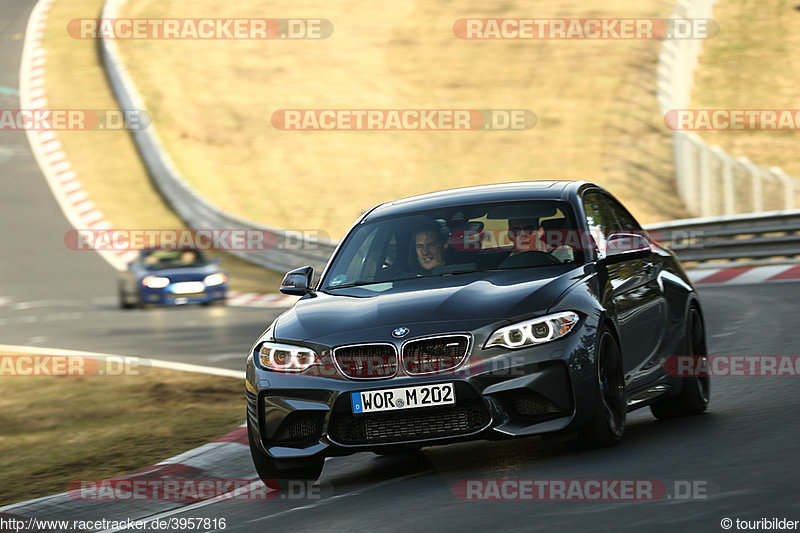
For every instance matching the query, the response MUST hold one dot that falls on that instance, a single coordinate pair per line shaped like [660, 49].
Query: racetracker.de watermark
[732, 119]
[580, 489]
[41, 365]
[733, 365]
[199, 239]
[601, 28]
[403, 119]
[73, 119]
[200, 28]
[176, 489]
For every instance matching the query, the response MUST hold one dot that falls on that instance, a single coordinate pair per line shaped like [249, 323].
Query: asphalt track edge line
[34, 43]
[198, 505]
[155, 363]
[226, 496]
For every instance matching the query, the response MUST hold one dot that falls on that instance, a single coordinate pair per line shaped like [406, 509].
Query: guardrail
[710, 181]
[289, 251]
[761, 238]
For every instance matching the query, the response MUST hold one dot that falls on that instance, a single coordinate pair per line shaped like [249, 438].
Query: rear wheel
[270, 469]
[608, 420]
[695, 391]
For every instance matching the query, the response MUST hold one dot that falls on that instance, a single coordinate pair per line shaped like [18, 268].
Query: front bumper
[499, 394]
[167, 296]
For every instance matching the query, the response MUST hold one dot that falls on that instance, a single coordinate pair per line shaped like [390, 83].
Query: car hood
[468, 300]
[187, 273]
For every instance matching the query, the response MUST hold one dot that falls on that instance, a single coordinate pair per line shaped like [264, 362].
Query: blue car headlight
[534, 331]
[155, 282]
[213, 280]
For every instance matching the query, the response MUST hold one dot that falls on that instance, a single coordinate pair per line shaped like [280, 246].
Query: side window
[599, 216]
[626, 221]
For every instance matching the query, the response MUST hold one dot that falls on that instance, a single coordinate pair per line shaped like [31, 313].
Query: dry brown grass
[106, 161]
[212, 101]
[754, 63]
[54, 430]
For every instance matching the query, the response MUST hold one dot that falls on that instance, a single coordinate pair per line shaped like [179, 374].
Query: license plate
[188, 287]
[403, 398]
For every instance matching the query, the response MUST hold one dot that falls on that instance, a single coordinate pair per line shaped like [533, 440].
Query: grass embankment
[754, 63]
[212, 100]
[54, 430]
[106, 162]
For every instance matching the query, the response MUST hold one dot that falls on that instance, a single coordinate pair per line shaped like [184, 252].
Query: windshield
[158, 259]
[455, 240]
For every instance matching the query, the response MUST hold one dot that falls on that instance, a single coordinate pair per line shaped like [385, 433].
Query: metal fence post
[756, 189]
[728, 192]
[789, 186]
[705, 181]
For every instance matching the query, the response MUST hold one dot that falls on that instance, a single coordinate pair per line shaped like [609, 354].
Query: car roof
[497, 192]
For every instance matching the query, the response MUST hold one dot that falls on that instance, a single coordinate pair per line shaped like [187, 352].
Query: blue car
[172, 277]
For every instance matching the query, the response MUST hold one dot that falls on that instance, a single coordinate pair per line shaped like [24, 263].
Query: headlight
[215, 279]
[155, 282]
[534, 331]
[286, 357]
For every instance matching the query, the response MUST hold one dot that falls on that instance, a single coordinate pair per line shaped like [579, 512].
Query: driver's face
[430, 250]
[526, 236]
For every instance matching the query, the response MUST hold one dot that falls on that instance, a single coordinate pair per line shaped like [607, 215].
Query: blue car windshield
[457, 240]
[161, 259]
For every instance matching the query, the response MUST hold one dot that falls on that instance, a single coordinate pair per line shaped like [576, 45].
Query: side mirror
[298, 281]
[619, 244]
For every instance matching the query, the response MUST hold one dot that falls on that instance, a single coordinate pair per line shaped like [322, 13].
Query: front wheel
[275, 470]
[123, 300]
[695, 392]
[610, 410]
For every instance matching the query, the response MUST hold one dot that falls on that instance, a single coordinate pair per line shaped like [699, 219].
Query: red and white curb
[224, 460]
[45, 144]
[252, 299]
[744, 275]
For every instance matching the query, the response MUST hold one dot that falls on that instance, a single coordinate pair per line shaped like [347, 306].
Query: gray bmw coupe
[490, 312]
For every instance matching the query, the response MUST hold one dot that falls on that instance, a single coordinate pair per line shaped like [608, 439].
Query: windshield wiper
[465, 271]
[462, 268]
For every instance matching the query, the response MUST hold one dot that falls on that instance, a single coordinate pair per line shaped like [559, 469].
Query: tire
[608, 419]
[272, 470]
[695, 392]
[123, 304]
